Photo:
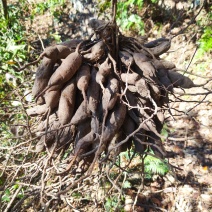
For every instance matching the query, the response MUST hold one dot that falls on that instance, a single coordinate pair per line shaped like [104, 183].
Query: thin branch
[190, 22]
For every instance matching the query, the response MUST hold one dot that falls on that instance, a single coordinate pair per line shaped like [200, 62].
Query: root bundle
[100, 96]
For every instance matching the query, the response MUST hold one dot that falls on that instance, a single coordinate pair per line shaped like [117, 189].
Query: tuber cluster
[100, 96]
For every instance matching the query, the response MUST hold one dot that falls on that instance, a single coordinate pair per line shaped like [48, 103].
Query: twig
[190, 22]
[195, 51]
[111, 181]
[114, 10]
[197, 75]
[29, 64]
[192, 94]
[141, 187]
[41, 42]
[114, 65]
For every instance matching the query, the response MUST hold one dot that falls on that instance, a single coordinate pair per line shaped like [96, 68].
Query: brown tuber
[104, 71]
[67, 102]
[67, 69]
[110, 94]
[95, 52]
[83, 77]
[180, 80]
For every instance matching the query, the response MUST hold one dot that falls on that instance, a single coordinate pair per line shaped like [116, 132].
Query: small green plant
[127, 16]
[153, 165]
[42, 7]
[164, 132]
[13, 39]
[8, 193]
[12, 49]
[127, 184]
[6, 196]
[127, 19]
[206, 40]
[112, 203]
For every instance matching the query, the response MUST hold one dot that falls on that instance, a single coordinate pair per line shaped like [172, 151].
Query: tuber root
[83, 77]
[95, 52]
[67, 102]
